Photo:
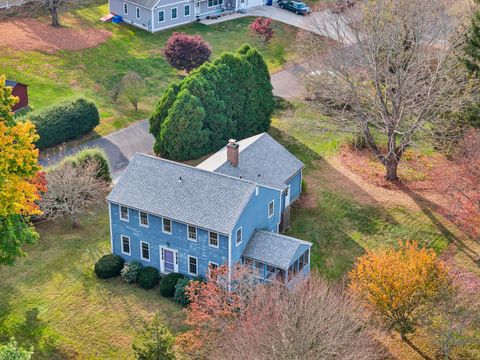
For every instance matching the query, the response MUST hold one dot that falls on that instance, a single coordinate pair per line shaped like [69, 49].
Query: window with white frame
[212, 266]
[125, 245]
[186, 10]
[192, 265]
[174, 13]
[143, 219]
[213, 239]
[167, 226]
[138, 13]
[124, 213]
[271, 208]
[238, 238]
[125, 8]
[214, 2]
[192, 233]
[161, 16]
[145, 250]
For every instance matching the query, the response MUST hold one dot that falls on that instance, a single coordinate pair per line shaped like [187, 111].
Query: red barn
[19, 90]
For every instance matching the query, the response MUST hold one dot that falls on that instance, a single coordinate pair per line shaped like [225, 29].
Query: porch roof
[275, 249]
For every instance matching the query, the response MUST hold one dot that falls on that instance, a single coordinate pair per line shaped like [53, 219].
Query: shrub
[262, 27]
[12, 351]
[131, 271]
[180, 295]
[186, 52]
[109, 266]
[64, 121]
[87, 155]
[148, 277]
[168, 282]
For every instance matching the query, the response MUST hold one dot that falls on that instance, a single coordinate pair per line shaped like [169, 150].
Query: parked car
[297, 7]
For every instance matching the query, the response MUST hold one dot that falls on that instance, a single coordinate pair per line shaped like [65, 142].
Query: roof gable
[261, 159]
[184, 193]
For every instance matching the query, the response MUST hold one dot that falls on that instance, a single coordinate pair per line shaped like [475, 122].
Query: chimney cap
[232, 141]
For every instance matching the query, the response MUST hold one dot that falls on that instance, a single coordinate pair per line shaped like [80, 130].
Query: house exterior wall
[145, 19]
[166, 6]
[295, 183]
[21, 91]
[155, 236]
[255, 217]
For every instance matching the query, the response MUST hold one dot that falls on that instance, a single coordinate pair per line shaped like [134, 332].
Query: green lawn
[93, 72]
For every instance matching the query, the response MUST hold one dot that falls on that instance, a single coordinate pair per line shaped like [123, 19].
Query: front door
[168, 260]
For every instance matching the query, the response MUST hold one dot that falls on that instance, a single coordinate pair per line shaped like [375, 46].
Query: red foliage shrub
[263, 28]
[186, 52]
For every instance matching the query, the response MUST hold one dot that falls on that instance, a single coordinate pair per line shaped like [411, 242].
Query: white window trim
[189, 10]
[212, 263]
[125, 8]
[273, 212]
[241, 236]
[140, 219]
[218, 239]
[188, 269]
[163, 226]
[137, 12]
[120, 213]
[141, 251]
[171, 13]
[220, 3]
[158, 16]
[129, 244]
[188, 233]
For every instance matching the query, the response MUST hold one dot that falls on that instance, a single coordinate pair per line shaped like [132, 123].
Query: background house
[157, 15]
[21, 91]
[185, 219]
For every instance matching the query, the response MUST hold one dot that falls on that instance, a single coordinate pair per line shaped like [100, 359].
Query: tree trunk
[54, 12]
[391, 165]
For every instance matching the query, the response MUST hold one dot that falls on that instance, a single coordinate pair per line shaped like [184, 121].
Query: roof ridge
[199, 169]
[284, 236]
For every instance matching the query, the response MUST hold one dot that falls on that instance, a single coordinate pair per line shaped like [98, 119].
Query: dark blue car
[297, 7]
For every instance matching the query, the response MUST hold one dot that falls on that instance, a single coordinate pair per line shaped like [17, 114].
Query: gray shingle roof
[274, 249]
[258, 155]
[184, 193]
[149, 4]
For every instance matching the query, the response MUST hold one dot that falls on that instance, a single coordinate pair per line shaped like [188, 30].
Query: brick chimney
[232, 152]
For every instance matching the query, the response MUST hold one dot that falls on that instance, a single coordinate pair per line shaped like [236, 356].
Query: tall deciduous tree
[186, 52]
[155, 342]
[132, 88]
[20, 180]
[394, 75]
[398, 284]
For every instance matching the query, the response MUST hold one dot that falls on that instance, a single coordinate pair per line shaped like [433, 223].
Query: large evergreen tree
[234, 93]
[472, 45]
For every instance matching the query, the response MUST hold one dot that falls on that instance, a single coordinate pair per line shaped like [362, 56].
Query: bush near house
[131, 271]
[109, 266]
[180, 295]
[148, 277]
[64, 121]
[228, 98]
[85, 156]
[168, 282]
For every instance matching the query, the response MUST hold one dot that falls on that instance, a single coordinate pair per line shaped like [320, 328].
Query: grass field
[94, 72]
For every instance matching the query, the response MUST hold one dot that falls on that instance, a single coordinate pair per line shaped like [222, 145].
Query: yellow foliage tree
[20, 180]
[398, 283]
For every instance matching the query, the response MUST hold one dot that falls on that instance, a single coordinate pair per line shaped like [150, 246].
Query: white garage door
[252, 3]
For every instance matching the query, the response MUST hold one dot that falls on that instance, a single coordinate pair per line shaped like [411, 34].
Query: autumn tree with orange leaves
[398, 283]
[21, 181]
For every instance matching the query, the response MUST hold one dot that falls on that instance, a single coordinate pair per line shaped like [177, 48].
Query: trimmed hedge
[168, 282]
[95, 154]
[64, 121]
[109, 266]
[148, 277]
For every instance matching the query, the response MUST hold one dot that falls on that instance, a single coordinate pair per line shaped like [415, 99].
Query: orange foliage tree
[398, 283]
[21, 181]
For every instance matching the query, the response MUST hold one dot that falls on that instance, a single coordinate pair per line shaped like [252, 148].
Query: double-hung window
[174, 13]
[167, 226]
[192, 233]
[145, 250]
[213, 239]
[161, 16]
[186, 10]
[125, 245]
[125, 8]
[143, 219]
[238, 238]
[124, 213]
[138, 13]
[271, 208]
[192, 265]
[214, 2]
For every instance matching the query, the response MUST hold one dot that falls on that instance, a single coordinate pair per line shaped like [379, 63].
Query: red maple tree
[263, 28]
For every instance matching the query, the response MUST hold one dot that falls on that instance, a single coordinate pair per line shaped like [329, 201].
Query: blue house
[230, 209]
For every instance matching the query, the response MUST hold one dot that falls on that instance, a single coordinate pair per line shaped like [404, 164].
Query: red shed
[20, 90]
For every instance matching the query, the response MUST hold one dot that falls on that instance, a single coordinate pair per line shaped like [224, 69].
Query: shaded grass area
[53, 301]
[94, 72]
